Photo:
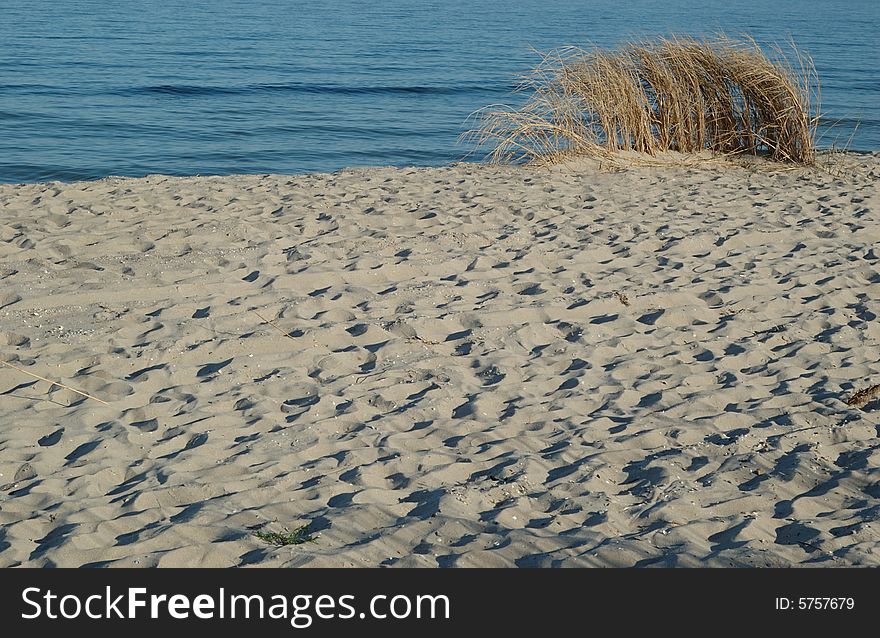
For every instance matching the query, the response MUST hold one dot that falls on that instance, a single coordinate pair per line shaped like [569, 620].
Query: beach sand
[460, 366]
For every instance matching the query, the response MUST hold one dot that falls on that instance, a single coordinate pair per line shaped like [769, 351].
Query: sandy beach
[467, 366]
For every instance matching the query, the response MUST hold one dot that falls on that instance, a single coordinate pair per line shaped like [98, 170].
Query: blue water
[93, 88]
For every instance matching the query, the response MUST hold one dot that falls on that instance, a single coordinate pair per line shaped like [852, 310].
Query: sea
[93, 88]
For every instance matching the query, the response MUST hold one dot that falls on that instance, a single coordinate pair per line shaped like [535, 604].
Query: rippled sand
[463, 366]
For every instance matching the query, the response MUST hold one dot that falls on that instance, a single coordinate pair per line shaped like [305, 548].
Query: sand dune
[462, 366]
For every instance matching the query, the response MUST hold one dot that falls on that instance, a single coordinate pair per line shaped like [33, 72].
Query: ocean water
[92, 88]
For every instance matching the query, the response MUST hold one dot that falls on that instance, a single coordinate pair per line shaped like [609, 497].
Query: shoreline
[821, 152]
[464, 365]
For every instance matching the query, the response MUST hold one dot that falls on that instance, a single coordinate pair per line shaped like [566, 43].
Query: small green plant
[281, 539]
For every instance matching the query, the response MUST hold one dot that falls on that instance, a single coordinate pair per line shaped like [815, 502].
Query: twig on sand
[274, 325]
[59, 384]
[863, 397]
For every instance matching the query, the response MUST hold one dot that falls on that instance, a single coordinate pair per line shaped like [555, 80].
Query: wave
[330, 89]
[829, 120]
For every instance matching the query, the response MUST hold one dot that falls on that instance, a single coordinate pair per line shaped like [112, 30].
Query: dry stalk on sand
[58, 383]
[680, 95]
[274, 325]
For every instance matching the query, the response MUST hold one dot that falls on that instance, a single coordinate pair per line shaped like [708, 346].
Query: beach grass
[678, 94]
[281, 539]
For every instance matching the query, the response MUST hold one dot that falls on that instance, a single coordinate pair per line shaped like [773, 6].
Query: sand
[461, 366]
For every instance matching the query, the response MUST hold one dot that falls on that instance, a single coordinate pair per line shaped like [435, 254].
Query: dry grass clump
[678, 94]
